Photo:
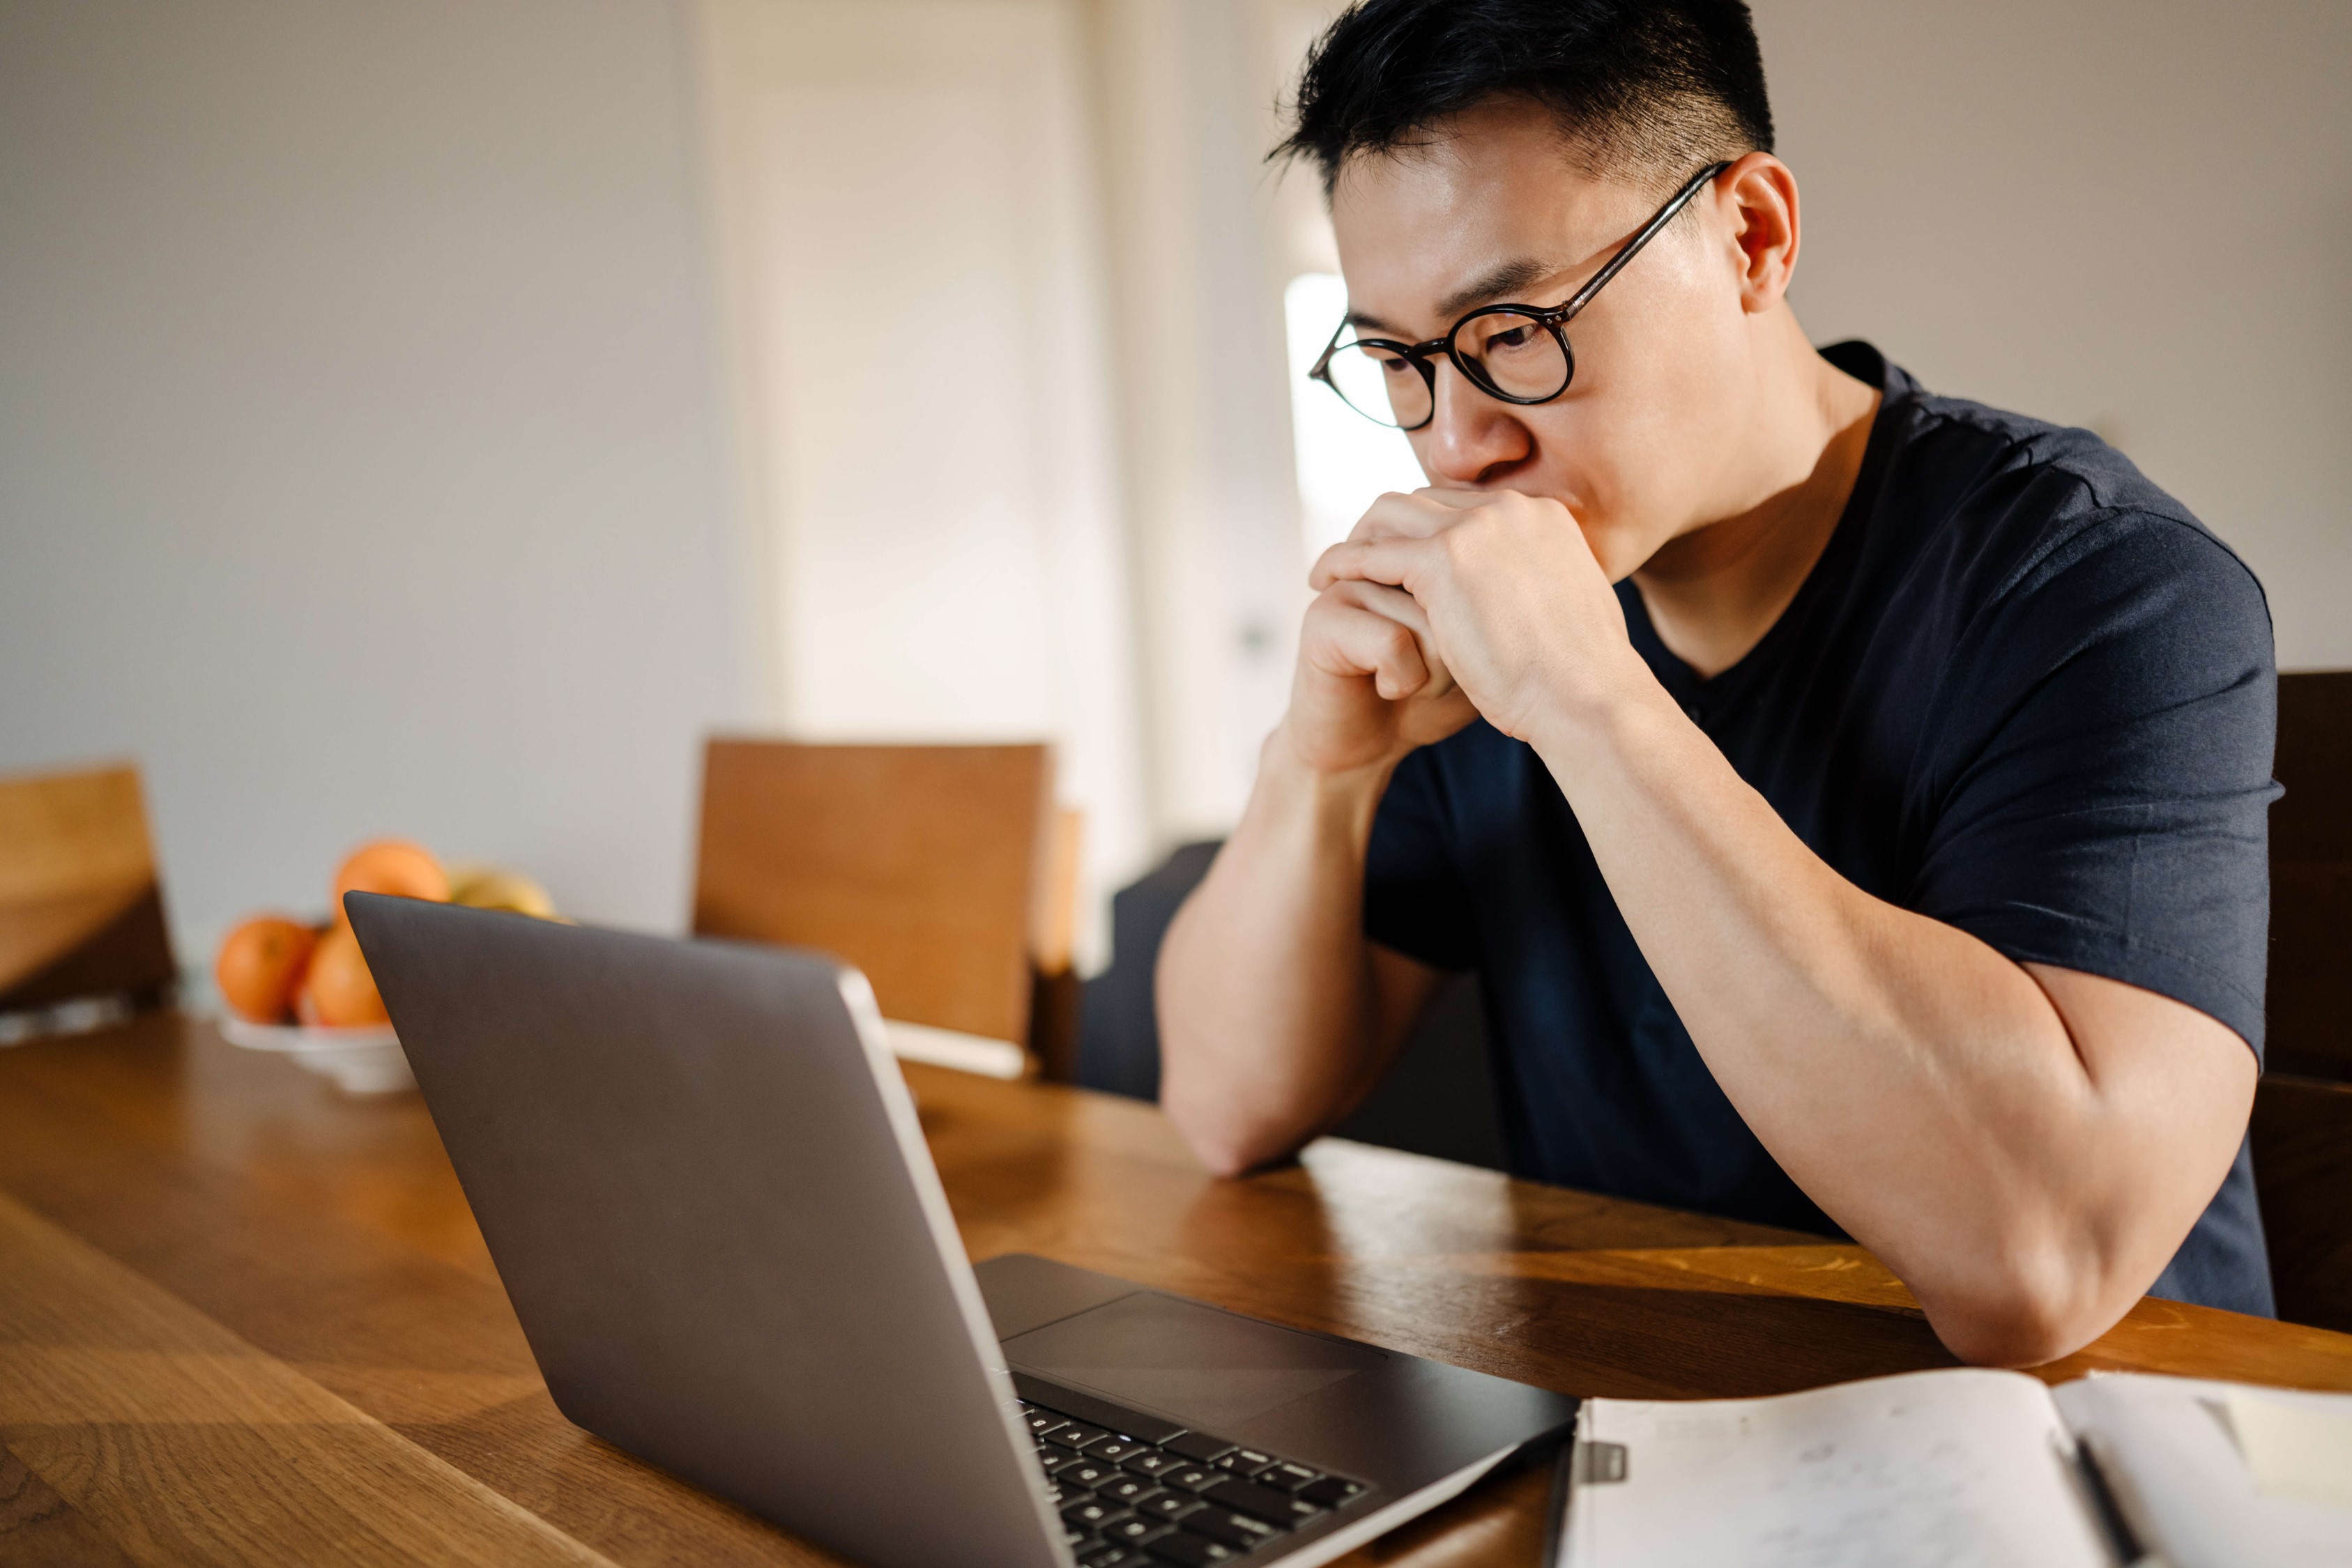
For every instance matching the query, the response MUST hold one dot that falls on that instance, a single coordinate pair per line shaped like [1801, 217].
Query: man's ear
[1758, 195]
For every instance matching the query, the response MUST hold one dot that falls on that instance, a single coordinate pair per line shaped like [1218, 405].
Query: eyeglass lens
[1514, 355]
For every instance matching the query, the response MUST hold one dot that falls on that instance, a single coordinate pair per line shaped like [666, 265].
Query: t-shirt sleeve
[2106, 800]
[1415, 900]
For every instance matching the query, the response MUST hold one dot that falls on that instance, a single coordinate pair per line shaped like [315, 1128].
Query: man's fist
[1368, 689]
[1509, 594]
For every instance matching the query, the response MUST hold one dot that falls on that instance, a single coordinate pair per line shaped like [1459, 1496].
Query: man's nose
[1470, 435]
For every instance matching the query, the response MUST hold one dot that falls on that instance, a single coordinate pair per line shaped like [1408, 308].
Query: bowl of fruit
[301, 987]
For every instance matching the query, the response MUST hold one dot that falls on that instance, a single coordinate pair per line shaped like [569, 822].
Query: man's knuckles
[1362, 640]
[1394, 657]
[1400, 516]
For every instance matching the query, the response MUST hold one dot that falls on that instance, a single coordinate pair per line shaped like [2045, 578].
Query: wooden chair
[942, 872]
[2302, 1170]
[2303, 1109]
[2311, 878]
[82, 911]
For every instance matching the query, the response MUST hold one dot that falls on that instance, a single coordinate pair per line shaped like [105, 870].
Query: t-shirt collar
[1702, 697]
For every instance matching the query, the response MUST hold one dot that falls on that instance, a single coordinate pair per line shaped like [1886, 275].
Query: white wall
[2130, 214]
[1199, 224]
[365, 464]
[909, 205]
[1183, 119]
[362, 467]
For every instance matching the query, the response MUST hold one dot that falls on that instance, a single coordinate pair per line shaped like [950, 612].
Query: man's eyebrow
[1509, 279]
[1489, 286]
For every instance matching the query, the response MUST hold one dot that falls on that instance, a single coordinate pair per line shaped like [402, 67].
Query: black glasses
[1515, 352]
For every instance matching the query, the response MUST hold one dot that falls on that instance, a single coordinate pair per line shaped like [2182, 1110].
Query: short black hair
[1648, 90]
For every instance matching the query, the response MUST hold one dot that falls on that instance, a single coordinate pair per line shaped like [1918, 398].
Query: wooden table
[245, 1319]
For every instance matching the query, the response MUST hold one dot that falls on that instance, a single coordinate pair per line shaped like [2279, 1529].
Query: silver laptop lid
[702, 1180]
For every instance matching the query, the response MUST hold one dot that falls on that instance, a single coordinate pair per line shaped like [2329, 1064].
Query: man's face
[1644, 444]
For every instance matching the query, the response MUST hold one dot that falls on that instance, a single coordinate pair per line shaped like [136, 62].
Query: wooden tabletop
[246, 1319]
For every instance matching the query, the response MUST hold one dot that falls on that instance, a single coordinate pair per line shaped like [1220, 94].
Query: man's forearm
[1925, 1090]
[1265, 983]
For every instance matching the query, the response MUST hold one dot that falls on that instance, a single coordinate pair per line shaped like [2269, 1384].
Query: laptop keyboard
[1181, 1498]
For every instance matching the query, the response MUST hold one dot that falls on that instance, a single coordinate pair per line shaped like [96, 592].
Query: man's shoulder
[2002, 507]
[2007, 556]
[1981, 456]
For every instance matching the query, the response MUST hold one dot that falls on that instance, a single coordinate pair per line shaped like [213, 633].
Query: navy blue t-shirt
[2023, 692]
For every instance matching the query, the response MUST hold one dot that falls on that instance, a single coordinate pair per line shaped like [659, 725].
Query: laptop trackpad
[1193, 1364]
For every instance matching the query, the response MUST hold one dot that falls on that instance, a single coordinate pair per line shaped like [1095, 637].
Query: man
[1884, 854]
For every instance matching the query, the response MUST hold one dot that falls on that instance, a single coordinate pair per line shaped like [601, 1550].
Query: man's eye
[1516, 337]
[1395, 365]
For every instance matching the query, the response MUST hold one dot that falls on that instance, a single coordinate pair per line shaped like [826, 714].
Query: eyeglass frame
[1551, 317]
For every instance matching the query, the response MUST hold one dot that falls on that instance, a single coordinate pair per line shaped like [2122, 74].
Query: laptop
[703, 1181]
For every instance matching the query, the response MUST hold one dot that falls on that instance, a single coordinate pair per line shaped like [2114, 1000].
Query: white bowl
[363, 1061]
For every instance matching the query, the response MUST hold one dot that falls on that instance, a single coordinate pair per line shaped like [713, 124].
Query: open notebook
[1965, 1467]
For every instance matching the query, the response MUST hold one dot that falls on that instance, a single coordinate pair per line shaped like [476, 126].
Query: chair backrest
[2302, 1108]
[931, 868]
[82, 911]
[2302, 1172]
[2311, 878]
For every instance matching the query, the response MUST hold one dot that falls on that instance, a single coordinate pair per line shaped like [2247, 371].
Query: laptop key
[1170, 1505]
[1153, 1461]
[1111, 1556]
[1056, 1460]
[1197, 1445]
[1190, 1551]
[1331, 1491]
[1243, 1462]
[1074, 1436]
[1093, 1514]
[1288, 1475]
[1043, 1421]
[1129, 1490]
[1087, 1472]
[1193, 1477]
[1135, 1531]
[1115, 1448]
[1275, 1507]
[1235, 1530]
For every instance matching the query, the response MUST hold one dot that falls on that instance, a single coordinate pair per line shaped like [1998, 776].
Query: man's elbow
[1221, 1136]
[2023, 1315]
[1221, 1156]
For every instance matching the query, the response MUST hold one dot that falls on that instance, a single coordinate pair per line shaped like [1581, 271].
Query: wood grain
[38, 1528]
[301, 1252]
[175, 1441]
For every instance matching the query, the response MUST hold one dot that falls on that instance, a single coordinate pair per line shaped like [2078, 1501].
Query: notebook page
[2178, 1466]
[1943, 1469]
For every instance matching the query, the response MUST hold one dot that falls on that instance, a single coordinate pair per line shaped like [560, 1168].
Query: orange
[338, 990]
[390, 865]
[260, 964]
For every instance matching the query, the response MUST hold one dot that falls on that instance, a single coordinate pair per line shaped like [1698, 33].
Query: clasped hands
[1449, 604]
